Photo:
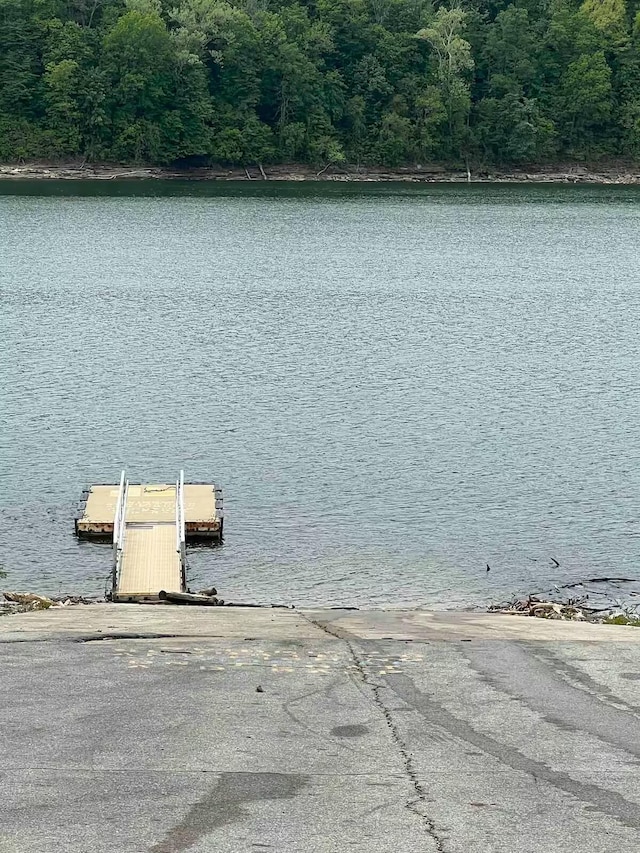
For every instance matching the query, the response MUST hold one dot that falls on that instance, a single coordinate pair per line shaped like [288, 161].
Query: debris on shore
[205, 598]
[613, 600]
[572, 610]
[23, 602]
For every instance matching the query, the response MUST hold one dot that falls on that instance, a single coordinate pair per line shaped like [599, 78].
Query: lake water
[394, 384]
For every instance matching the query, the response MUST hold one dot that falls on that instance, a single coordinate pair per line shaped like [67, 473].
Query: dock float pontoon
[149, 526]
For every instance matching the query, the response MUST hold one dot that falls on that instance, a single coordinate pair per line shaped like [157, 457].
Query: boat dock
[149, 526]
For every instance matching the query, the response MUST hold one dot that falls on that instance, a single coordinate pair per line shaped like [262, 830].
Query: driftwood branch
[189, 598]
[598, 580]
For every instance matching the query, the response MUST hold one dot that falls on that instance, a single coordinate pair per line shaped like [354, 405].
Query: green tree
[511, 129]
[453, 59]
[252, 81]
[586, 97]
[509, 54]
[62, 80]
[137, 57]
[608, 16]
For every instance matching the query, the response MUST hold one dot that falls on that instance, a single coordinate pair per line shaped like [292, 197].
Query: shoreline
[548, 608]
[625, 175]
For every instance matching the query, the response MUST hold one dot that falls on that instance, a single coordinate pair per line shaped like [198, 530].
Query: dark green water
[395, 384]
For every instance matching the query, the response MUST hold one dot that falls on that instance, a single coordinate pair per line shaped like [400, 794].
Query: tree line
[369, 82]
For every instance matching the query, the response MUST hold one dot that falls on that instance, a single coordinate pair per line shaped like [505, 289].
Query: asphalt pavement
[141, 729]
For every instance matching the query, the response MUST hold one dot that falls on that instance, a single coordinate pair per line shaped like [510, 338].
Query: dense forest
[369, 82]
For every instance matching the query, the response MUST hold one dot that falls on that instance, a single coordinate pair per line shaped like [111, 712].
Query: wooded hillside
[380, 82]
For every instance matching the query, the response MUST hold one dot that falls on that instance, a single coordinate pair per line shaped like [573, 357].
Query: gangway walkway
[149, 528]
[149, 541]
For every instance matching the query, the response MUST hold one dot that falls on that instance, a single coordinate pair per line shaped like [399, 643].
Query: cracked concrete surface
[418, 803]
[377, 732]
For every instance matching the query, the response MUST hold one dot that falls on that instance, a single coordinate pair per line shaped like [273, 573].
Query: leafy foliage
[383, 82]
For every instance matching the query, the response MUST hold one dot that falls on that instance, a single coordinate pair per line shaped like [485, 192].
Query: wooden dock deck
[149, 525]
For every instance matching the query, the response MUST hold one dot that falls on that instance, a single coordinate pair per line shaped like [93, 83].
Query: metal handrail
[116, 517]
[180, 523]
[182, 520]
[119, 526]
[123, 518]
[181, 547]
[177, 514]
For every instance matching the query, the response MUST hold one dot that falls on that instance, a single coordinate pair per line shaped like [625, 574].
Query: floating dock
[149, 526]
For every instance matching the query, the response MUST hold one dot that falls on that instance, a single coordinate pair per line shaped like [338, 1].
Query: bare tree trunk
[93, 11]
[283, 108]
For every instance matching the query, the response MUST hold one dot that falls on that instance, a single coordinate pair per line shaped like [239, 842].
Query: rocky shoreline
[624, 174]
[610, 601]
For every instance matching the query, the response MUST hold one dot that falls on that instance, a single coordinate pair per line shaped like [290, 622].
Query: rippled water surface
[395, 385]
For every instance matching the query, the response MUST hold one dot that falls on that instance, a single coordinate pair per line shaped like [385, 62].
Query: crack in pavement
[76, 637]
[87, 638]
[422, 797]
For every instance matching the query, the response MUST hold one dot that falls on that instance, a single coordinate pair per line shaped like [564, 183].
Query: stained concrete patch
[223, 804]
[349, 731]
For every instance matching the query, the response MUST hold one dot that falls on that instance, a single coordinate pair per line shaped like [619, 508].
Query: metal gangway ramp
[149, 548]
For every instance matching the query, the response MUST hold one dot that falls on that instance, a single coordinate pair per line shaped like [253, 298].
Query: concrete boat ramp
[138, 729]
